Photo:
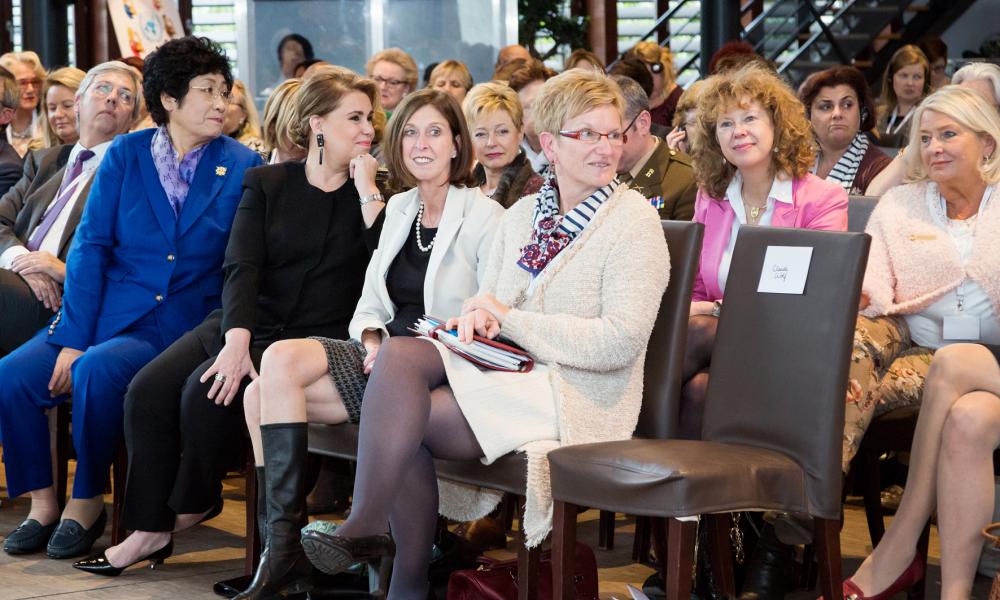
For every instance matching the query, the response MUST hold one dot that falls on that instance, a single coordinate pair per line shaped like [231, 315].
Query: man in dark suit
[39, 215]
[662, 175]
[10, 160]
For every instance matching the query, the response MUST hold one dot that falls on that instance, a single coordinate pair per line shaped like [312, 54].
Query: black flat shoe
[70, 539]
[30, 536]
[98, 564]
[332, 554]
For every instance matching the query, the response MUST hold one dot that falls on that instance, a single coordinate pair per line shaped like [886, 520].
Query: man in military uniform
[662, 175]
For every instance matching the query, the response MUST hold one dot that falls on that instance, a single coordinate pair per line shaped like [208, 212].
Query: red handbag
[497, 579]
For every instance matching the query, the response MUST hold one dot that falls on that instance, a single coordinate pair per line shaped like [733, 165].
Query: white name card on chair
[785, 269]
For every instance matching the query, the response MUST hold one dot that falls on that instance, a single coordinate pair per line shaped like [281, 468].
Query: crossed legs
[951, 467]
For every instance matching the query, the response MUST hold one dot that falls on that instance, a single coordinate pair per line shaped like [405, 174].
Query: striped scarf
[552, 233]
[847, 167]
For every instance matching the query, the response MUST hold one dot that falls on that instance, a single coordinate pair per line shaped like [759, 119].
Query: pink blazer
[816, 204]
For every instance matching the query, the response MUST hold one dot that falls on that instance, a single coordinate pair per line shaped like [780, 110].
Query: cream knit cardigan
[589, 320]
[913, 261]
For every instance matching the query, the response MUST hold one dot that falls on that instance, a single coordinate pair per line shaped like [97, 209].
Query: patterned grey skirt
[345, 362]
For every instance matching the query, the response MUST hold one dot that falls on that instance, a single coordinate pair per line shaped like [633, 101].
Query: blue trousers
[100, 377]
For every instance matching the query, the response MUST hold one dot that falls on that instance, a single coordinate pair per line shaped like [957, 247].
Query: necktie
[65, 193]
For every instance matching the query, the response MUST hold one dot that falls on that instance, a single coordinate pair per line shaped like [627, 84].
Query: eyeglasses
[388, 82]
[589, 136]
[103, 90]
[631, 123]
[33, 82]
[215, 94]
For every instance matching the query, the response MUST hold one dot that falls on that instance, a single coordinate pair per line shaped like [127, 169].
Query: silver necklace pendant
[416, 227]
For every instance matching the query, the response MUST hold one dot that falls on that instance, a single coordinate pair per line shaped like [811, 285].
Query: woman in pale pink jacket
[933, 279]
[753, 151]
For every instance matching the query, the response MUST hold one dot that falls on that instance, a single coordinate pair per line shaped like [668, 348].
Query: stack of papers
[491, 354]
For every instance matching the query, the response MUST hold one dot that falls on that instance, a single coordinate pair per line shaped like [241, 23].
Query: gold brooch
[220, 171]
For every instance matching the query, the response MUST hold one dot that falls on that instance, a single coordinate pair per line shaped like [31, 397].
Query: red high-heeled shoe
[913, 573]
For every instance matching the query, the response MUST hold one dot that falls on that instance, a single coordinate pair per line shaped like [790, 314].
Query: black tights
[697, 358]
[408, 418]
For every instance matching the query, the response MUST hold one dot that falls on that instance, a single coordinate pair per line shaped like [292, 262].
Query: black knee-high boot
[261, 506]
[283, 564]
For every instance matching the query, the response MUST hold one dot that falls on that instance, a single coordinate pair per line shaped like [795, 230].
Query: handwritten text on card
[785, 270]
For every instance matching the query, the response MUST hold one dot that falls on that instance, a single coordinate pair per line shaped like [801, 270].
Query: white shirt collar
[781, 189]
[538, 160]
[94, 160]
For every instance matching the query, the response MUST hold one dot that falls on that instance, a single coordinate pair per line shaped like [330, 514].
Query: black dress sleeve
[246, 256]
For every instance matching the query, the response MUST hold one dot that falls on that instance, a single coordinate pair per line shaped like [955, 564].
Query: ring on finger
[220, 377]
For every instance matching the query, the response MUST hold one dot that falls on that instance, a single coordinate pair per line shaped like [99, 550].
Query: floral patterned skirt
[887, 372]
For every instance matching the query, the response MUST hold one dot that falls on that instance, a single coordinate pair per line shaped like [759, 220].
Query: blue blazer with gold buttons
[132, 256]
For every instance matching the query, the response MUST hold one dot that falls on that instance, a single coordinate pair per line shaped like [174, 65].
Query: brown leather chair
[773, 420]
[660, 406]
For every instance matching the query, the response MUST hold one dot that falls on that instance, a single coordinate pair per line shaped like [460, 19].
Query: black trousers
[180, 443]
[21, 314]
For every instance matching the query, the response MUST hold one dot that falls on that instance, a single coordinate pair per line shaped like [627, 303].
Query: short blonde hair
[251, 127]
[488, 98]
[971, 111]
[279, 112]
[653, 53]
[793, 138]
[67, 77]
[448, 67]
[571, 94]
[398, 57]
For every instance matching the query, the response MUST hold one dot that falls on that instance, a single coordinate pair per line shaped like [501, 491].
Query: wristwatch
[717, 308]
[376, 197]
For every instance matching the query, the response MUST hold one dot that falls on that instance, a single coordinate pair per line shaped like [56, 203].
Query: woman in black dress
[295, 265]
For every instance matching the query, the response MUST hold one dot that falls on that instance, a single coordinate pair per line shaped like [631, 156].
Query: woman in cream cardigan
[430, 257]
[574, 277]
[933, 275]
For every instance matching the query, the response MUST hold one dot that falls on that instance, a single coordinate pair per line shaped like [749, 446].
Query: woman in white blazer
[431, 256]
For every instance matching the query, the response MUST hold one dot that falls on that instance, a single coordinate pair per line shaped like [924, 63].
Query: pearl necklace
[416, 227]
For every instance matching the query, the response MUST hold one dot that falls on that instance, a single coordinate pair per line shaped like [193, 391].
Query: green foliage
[545, 18]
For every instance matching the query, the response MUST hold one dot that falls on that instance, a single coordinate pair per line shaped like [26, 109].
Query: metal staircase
[799, 36]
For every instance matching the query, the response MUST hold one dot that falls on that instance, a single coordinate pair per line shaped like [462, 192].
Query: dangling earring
[319, 142]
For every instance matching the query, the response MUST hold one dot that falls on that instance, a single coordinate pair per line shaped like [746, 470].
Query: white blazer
[457, 261]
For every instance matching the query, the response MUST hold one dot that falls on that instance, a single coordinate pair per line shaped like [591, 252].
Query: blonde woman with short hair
[666, 93]
[574, 276]
[25, 129]
[279, 112]
[395, 72]
[451, 76]
[496, 121]
[933, 280]
[242, 123]
[59, 96]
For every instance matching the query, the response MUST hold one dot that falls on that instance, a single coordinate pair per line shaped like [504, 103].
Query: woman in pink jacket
[752, 150]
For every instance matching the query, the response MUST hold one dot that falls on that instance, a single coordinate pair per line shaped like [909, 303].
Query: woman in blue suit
[145, 267]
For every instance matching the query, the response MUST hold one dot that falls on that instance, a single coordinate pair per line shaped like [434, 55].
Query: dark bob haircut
[842, 75]
[460, 173]
[307, 48]
[171, 67]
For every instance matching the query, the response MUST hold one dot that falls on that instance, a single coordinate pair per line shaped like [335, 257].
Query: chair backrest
[665, 354]
[859, 208]
[780, 361]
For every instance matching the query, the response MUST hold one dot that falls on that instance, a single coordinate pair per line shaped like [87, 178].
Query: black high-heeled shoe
[98, 564]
